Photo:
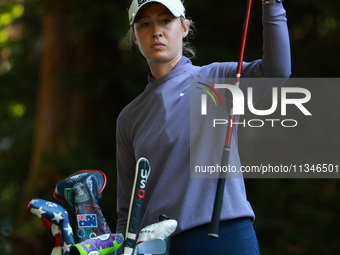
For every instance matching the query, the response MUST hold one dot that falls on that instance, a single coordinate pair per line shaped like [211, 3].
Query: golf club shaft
[215, 219]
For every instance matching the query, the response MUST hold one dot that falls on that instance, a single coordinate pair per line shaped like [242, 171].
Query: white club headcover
[161, 229]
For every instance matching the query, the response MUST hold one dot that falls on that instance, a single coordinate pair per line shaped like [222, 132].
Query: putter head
[153, 246]
[83, 191]
[76, 188]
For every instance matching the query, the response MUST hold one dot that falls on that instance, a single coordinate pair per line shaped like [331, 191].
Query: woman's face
[158, 34]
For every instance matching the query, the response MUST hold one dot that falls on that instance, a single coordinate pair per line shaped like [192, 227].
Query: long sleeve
[125, 174]
[276, 60]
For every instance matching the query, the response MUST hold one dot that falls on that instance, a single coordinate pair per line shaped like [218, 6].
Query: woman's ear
[185, 28]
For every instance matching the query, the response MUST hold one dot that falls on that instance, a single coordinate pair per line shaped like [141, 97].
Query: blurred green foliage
[293, 216]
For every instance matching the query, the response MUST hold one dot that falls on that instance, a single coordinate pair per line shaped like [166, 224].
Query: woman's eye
[166, 21]
[145, 24]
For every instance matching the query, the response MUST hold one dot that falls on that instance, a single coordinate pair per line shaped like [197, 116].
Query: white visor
[175, 7]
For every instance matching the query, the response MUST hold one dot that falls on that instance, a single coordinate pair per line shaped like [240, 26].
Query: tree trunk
[60, 113]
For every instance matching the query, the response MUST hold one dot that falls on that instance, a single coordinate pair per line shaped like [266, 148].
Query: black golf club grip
[216, 215]
[137, 198]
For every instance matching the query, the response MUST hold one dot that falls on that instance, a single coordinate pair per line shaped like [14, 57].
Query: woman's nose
[157, 32]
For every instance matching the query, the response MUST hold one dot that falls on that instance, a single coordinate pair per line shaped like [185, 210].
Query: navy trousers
[236, 237]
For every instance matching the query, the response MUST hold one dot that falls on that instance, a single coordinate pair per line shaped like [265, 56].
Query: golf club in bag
[83, 191]
[100, 245]
[55, 217]
[142, 172]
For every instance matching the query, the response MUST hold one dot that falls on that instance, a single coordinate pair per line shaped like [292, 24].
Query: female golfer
[159, 125]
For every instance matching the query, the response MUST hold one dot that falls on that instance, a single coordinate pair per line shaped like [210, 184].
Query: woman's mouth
[157, 45]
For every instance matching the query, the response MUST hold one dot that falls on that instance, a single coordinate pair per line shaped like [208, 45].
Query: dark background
[64, 78]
